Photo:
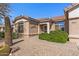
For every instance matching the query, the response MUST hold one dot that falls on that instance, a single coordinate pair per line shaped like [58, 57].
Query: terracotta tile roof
[43, 19]
[20, 17]
[53, 19]
[24, 17]
[58, 18]
[71, 7]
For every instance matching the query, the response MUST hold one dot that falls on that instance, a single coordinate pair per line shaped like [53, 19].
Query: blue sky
[37, 10]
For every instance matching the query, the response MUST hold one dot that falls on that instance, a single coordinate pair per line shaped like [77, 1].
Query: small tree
[4, 10]
[8, 33]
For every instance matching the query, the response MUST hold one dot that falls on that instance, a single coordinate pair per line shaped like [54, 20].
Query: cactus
[8, 32]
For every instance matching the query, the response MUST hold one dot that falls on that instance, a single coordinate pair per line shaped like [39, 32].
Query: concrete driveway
[32, 46]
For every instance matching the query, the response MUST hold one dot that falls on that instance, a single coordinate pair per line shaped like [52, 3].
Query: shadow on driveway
[17, 42]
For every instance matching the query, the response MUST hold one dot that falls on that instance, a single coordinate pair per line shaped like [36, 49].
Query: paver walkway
[34, 47]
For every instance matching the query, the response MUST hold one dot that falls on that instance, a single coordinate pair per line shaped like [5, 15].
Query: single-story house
[72, 22]
[30, 26]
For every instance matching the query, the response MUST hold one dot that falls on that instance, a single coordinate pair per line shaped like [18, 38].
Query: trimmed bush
[59, 36]
[14, 35]
[1, 34]
[55, 36]
[44, 36]
[4, 50]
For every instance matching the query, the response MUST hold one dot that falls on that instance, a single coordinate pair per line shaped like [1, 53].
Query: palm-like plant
[4, 10]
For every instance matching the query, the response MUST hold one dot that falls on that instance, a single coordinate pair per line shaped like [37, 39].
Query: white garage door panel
[74, 27]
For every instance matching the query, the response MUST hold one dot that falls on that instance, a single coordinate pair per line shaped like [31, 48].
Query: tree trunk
[8, 32]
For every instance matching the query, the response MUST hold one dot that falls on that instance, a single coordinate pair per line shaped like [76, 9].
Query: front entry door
[45, 28]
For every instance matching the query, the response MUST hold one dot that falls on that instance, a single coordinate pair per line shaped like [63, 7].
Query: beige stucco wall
[15, 27]
[16, 24]
[33, 28]
[74, 40]
[30, 27]
[53, 27]
[74, 26]
[26, 28]
[38, 28]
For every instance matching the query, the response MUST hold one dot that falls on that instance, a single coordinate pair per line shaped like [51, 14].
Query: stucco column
[13, 29]
[53, 27]
[26, 28]
[48, 27]
[16, 27]
[38, 28]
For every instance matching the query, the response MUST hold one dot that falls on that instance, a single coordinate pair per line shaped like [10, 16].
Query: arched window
[20, 27]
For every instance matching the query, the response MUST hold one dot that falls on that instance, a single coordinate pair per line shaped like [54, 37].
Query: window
[21, 27]
[60, 25]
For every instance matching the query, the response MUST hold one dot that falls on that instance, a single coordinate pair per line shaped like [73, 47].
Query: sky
[37, 10]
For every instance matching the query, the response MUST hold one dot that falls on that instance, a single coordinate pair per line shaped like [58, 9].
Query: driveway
[32, 46]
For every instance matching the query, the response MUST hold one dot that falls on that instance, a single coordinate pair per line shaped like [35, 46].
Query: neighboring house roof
[71, 7]
[24, 17]
[44, 20]
[58, 18]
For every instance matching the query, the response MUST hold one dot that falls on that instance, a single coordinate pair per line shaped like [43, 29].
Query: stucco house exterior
[29, 26]
[59, 22]
[72, 22]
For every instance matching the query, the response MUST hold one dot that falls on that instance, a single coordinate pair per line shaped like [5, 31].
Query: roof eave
[72, 7]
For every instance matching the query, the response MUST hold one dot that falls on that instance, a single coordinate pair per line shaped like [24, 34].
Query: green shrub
[4, 50]
[59, 36]
[44, 36]
[1, 34]
[14, 35]
[55, 36]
